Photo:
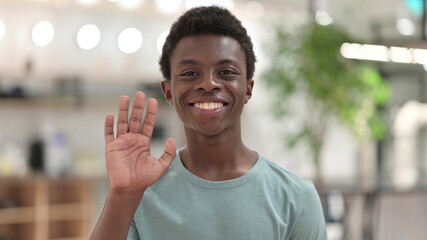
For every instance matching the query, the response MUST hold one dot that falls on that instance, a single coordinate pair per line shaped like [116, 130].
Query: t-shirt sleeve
[310, 222]
[133, 232]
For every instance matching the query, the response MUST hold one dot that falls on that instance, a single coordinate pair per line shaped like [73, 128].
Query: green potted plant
[307, 64]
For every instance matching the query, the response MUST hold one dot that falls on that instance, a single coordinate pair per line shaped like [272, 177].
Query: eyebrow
[187, 61]
[193, 62]
[225, 61]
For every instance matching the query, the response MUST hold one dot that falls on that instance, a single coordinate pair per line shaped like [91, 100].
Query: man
[214, 187]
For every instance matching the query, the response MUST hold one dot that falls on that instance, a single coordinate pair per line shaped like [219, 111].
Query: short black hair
[207, 20]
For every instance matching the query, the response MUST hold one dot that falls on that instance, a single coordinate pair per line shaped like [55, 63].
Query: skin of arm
[130, 166]
[117, 215]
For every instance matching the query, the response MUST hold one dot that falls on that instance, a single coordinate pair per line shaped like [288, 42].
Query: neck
[219, 157]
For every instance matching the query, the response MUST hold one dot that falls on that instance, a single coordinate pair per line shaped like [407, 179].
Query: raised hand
[130, 164]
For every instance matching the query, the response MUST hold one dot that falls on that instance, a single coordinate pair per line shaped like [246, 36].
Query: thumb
[169, 153]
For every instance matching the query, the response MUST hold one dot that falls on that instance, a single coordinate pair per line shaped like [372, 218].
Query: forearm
[117, 215]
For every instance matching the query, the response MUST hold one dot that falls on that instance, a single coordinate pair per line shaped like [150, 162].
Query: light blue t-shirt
[264, 204]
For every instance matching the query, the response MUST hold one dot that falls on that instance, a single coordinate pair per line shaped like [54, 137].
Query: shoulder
[292, 182]
[301, 202]
[293, 192]
[297, 198]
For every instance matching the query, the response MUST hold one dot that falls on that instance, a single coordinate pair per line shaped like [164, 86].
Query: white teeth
[208, 105]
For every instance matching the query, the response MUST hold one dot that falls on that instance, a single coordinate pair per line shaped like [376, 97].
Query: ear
[249, 87]
[166, 88]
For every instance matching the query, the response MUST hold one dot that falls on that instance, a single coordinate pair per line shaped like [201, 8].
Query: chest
[237, 213]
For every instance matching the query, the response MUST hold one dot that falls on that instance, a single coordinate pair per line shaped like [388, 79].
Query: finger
[109, 129]
[122, 122]
[169, 154]
[150, 118]
[136, 116]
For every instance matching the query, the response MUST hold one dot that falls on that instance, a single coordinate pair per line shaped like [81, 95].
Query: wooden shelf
[68, 238]
[38, 208]
[53, 102]
[17, 215]
[68, 211]
[18, 231]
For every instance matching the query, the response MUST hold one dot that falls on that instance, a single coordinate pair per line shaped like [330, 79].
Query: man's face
[208, 86]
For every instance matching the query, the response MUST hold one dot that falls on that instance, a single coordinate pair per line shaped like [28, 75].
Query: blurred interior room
[358, 130]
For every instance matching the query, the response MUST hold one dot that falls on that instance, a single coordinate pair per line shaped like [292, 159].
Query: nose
[208, 83]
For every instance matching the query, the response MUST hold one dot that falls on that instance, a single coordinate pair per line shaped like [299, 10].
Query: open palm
[130, 164]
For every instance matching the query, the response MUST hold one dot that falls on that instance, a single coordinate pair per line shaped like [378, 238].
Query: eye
[189, 73]
[227, 72]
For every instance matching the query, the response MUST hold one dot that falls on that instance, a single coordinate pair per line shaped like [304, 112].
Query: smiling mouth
[208, 105]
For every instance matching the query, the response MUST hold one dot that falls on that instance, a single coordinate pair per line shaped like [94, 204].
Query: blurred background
[340, 98]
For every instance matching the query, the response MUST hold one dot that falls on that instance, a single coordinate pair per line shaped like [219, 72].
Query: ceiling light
[169, 6]
[375, 52]
[88, 36]
[384, 53]
[400, 54]
[351, 50]
[161, 40]
[405, 26]
[323, 18]
[365, 51]
[419, 56]
[130, 40]
[43, 33]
